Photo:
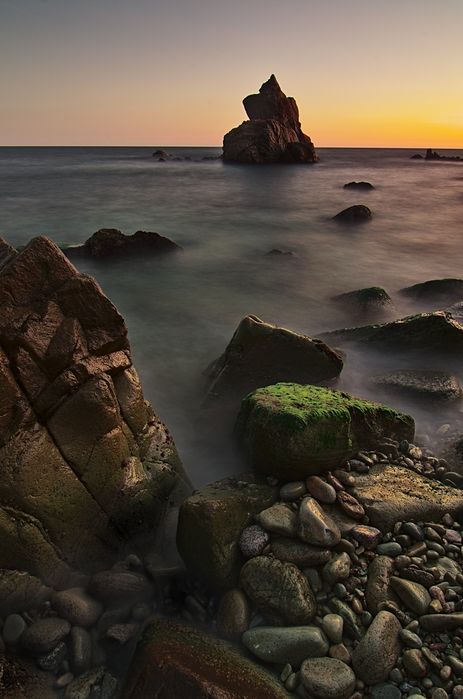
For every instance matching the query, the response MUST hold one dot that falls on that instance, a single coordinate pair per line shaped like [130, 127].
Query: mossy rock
[211, 521]
[175, 660]
[292, 431]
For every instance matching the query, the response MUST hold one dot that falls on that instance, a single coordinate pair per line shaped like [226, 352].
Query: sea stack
[273, 133]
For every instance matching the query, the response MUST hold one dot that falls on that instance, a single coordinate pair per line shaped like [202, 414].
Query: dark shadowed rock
[393, 494]
[371, 302]
[420, 386]
[359, 213]
[442, 291]
[434, 155]
[210, 524]
[260, 354]
[20, 592]
[86, 465]
[22, 680]
[173, 660]
[293, 431]
[109, 243]
[273, 133]
[364, 186]
[437, 334]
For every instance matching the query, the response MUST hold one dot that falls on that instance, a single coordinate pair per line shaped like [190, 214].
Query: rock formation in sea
[86, 465]
[110, 243]
[273, 133]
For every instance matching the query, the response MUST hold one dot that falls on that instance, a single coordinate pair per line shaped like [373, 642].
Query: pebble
[410, 639]
[413, 530]
[279, 519]
[77, 607]
[333, 625]
[340, 652]
[301, 554]
[327, 678]
[286, 644]
[44, 635]
[80, 644]
[316, 526]
[378, 651]
[350, 505]
[292, 491]
[369, 537]
[253, 541]
[414, 596]
[81, 687]
[116, 586]
[385, 691]
[64, 680]
[352, 626]
[390, 548]
[338, 568]
[414, 663]
[321, 490]
[233, 614]
[13, 628]
[52, 661]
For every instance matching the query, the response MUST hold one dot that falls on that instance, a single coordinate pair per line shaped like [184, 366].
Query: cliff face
[273, 133]
[85, 464]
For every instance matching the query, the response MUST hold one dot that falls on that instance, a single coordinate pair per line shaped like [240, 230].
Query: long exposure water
[181, 310]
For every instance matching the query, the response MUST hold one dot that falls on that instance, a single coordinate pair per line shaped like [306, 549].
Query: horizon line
[181, 145]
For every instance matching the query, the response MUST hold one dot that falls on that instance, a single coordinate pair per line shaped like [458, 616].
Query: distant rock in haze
[434, 155]
[359, 213]
[273, 133]
[359, 185]
[109, 243]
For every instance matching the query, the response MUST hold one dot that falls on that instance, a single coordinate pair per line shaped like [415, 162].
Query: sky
[174, 72]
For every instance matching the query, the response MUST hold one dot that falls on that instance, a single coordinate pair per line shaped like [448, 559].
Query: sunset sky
[168, 72]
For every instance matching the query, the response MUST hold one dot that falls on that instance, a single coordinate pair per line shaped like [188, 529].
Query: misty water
[182, 309]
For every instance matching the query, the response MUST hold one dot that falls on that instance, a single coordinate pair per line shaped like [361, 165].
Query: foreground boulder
[211, 521]
[109, 243]
[273, 133]
[442, 291]
[173, 660]
[420, 386]
[438, 334]
[86, 464]
[260, 354]
[292, 431]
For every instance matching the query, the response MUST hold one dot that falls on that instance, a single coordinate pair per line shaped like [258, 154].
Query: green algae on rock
[174, 660]
[292, 431]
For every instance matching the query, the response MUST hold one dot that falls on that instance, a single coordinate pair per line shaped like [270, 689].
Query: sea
[182, 309]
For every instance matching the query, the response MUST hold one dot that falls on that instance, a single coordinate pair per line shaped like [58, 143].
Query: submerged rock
[359, 213]
[420, 386]
[273, 133]
[173, 660]
[211, 522]
[72, 402]
[444, 291]
[293, 431]
[260, 354]
[371, 301]
[110, 243]
[437, 334]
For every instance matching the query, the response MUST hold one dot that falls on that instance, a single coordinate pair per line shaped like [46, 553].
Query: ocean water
[181, 310]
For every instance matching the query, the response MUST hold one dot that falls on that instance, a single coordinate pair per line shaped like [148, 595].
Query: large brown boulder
[273, 133]
[86, 464]
[176, 661]
[260, 354]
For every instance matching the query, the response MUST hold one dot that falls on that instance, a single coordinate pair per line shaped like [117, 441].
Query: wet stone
[286, 644]
[327, 678]
[44, 635]
[77, 607]
[316, 526]
[13, 628]
[390, 548]
[321, 490]
[414, 663]
[52, 661]
[292, 491]
[338, 568]
[333, 625]
[80, 643]
[301, 554]
[350, 505]
[385, 691]
[279, 519]
[233, 614]
[369, 537]
[414, 596]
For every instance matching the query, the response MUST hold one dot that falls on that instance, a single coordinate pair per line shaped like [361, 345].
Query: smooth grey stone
[286, 644]
[81, 649]
[316, 526]
[352, 625]
[413, 530]
[414, 596]
[75, 605]
[292, 491]
[44, 634]
[410, 639]
[13, 628]
[279, 519]
[338, 568]
[378, 651]
[333, 626]
[385, 691]
[327, 678]
[390, 548]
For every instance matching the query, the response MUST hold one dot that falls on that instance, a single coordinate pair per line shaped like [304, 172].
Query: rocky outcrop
[86, 464]
[174, 660]
[291, 431]
[109, 243]
[260, 354]
[434, 155]
[372, 301]
[273, 133]
[444, 291]
[420, 386]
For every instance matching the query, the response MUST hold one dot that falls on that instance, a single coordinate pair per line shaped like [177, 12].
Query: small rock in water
[293, 491]
[81, 649]
[233, 614]
[13, 628]
[44, 635]
[77, 607]
[253, 540]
